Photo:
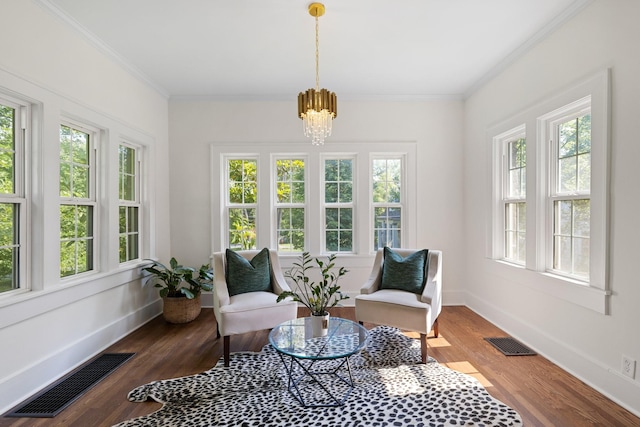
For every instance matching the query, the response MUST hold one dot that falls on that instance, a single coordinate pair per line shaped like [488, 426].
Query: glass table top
[295, 338]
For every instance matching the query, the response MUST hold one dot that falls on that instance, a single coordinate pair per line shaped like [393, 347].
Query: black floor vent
[62, 393]
[510, 347]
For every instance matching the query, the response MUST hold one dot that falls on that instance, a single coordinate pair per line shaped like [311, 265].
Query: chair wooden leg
[226, 350]
[362, 323]
[435, 328]
[218, 330]
[423, 347]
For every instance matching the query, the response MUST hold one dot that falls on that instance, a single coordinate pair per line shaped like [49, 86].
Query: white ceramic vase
[320, 324]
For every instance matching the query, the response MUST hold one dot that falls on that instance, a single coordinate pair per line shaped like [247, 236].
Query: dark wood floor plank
[542, 393]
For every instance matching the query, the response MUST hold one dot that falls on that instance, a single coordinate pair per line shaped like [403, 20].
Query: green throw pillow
[407, 274]
[248, 276]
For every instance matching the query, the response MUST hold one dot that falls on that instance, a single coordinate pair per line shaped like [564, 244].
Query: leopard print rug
[391, 389]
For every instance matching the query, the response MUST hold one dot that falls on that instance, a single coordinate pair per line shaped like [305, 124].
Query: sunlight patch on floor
[467, 368]
[431, 339]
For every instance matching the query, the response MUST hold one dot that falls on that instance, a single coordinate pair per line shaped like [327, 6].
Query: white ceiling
[375, 49]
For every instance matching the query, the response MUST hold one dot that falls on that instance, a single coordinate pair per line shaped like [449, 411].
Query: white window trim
[404, 199]
[547, 149]
[92, 200]
[274, 204]
[340, 205]
[362, 151]
[20, 195]
[137, 202]
[500, 197]
[593, 295]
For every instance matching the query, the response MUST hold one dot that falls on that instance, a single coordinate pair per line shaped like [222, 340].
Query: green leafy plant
[178, 280]
[316, 296]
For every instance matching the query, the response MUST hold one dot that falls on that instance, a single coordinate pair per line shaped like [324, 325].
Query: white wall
[434, 125]
[48, 331]
[584, 342]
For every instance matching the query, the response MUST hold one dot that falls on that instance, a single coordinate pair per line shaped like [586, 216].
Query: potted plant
[318, 297]
[180, 288]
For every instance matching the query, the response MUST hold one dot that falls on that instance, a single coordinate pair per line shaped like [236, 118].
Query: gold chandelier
[317, 107]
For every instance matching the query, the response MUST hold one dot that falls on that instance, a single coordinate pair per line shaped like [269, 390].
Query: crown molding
[574, 9]
[100, 45]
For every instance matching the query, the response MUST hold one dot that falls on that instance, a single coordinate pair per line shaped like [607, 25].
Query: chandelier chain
[317, 57]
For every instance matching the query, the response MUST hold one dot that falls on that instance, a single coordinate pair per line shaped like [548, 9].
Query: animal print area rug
[391, 389]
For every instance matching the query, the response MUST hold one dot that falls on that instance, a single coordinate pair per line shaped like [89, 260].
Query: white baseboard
[605, 379]
[28, 381]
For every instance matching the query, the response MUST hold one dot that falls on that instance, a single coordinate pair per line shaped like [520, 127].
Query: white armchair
[249, 311]
[400, 308]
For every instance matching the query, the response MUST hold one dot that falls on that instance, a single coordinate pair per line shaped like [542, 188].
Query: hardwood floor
[542, 393]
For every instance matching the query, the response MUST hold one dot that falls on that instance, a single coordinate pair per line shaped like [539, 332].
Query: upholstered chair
[246, 285]
[406, 293]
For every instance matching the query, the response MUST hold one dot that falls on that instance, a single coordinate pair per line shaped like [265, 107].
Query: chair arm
[375, 278]
[432, 292]
[220, 289]
[278, 280]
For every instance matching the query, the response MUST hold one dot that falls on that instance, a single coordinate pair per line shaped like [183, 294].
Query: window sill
[571, 290]
[24, 305]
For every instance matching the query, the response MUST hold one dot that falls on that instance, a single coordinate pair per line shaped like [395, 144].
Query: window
[13, 223]
[129, 202]
[297, 198]
[514, 191]
[241, 203]
[339, 204]
[77, 199]
[569, 196]
[290, 204]
[556, 225]
[386, 174]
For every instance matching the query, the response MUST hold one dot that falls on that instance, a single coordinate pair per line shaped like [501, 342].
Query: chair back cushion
[244, 275]
[406, 274]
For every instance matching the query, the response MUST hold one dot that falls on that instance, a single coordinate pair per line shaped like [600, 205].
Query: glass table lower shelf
[318, 368]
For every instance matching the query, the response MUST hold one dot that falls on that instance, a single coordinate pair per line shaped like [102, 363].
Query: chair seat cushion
[407, 274]
[394, 296]
[248, 275]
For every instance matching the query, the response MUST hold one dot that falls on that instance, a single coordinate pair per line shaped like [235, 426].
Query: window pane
[7, 149]
[129, 233]
[74, 163]
[515, 232]
[242, 183]
[242, 229]
[584, 172]
[571, 240]
[76, 239]
[581, 218]
[387, 227]
[9, 247]
[331, 170]
[567, 174]
[386, 175]
[127, 173]
[567, 139]
[331, 192]
[290, 181]
[290, 229]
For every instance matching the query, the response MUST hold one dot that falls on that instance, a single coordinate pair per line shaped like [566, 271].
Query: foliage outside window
[515, 206]
[77, 201]
[571, 196]
[242, 203]
[129, 202]
[290, 204]
[338, 199]
[12, 202]
[387, 203]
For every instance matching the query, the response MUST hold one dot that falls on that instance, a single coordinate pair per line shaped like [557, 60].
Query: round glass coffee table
[316, 366]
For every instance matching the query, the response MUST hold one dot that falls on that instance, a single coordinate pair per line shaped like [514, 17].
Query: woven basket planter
[181, 310]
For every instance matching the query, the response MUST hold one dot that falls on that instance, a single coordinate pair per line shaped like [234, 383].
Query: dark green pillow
[248, 276]
[407, 274]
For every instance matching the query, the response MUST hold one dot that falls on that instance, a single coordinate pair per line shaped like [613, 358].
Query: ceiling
[265, 50]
